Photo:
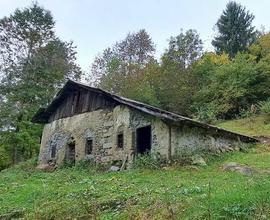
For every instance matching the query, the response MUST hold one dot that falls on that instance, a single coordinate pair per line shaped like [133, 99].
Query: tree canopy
[34, 64]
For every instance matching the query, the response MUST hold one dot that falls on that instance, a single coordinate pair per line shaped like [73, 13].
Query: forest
[230, 82]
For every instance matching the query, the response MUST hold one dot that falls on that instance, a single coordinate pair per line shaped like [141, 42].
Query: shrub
[248, 113]
[207, 113]
[264, 106]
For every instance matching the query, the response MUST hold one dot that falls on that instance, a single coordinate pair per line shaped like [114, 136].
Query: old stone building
[85, 122]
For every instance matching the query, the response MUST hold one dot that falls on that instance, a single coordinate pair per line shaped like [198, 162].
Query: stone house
[85, 122]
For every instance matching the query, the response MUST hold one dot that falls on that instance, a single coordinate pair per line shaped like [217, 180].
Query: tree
[184, 49]
[235, 30]
[261, 47]
[176, 84]
[231, 88]
[123, 60]
[34, 64]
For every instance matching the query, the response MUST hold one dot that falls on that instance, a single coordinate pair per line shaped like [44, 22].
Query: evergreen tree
[235, 30]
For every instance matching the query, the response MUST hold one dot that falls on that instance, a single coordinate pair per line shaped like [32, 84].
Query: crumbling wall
[103, 126]
[199, 139]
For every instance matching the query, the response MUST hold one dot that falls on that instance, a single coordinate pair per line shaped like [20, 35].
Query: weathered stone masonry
[104, 125]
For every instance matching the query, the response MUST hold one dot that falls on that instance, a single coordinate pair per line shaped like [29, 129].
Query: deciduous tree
[34, 63]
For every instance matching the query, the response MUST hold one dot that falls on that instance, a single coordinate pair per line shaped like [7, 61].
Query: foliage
[5, 160]
[175, 83]
[114, 68]
[34, 64]
[184, 49]
[120, 71]
[264, 106]
[207, 113]
[235, 30]
[261, 47]
[232, 87]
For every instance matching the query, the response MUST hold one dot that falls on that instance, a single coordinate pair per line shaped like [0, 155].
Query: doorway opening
[143, 140]
[71, 153]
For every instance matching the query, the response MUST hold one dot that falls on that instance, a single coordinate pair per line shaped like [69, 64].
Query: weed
[148, 161]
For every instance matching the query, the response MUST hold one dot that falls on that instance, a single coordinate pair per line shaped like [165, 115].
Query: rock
[198, 160]
[223, 150]
[230, 148]
[107, 145]
[114, 168]
[243, 169]
[237, 148]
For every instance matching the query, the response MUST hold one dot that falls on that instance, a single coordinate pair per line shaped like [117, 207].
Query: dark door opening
[71, 153]
[143, 139]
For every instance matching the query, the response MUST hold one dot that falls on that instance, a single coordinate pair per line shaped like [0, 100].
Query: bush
[248, 113]
[264, 106]
[207, 113]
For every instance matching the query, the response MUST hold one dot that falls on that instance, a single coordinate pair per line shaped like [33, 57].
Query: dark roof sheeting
[43, 114]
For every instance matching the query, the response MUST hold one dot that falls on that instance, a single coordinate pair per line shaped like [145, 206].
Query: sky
[94, 25]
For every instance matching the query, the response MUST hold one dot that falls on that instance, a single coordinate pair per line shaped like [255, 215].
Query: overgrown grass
[156, 192]
[258, 125]
[165, 193]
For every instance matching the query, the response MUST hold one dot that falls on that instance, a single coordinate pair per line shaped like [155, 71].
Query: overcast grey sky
[94, 25]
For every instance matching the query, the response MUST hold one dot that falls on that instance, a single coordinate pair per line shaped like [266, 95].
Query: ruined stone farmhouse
[85, 122]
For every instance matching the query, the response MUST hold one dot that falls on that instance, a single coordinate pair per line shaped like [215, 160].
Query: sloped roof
[43, 114]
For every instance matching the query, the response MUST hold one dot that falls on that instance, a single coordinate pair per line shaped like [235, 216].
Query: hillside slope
[167, 193]
[253, 126]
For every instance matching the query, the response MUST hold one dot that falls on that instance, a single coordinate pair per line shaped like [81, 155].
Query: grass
[169, 193]
[258, 125]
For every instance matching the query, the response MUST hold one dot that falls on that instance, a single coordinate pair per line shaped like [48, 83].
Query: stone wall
[198, 139]
[103, 126]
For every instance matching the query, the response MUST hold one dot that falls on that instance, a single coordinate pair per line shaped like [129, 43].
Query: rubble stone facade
[103, 126]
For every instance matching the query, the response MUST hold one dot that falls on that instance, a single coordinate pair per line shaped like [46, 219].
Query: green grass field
[253, 126]
[168, 193]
